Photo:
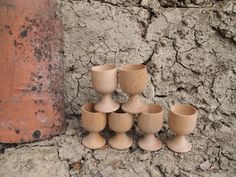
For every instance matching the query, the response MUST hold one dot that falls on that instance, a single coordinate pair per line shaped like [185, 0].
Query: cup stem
[179, 144]
[120, 141]
[134, 104]
[150, 137]
[180, 138]
[149, 142]
[106, 98]
[134, 99]
[93, 140]
[107, 104]
[120, 136]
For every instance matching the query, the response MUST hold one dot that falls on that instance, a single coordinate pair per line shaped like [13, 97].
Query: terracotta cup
[150, 122]
[133, 80]
[120, 122]
[31, 71]
[104, 81]
[182, 121]
[94, 122]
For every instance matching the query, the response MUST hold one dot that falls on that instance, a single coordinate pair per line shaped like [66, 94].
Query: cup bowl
[91, 120]
[133, 78]
[151, 120]
[120, 121]
[104, 78]
[182, 119]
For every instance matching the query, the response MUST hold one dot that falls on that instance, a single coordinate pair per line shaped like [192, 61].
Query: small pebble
[205, 165]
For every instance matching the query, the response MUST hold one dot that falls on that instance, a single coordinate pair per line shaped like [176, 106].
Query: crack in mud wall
[188, 46]
[190, 52]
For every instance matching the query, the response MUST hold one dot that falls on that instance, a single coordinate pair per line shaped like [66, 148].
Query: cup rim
[153, 113]
[102, 68]
[87, 111]
[193, 109]
[139, 67]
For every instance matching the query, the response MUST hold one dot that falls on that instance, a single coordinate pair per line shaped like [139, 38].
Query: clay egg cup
[150, 121]
[182, 121]
[133, 81]
[94, 122]
[104, 81]
[120, 122]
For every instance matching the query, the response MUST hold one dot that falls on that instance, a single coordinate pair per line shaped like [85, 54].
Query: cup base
[107, 107]
[120, 141]
[93, 141]
[150, 143]
[179, 144]
[134, 105]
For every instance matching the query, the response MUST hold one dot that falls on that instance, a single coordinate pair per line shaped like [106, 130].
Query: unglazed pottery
[104, 81]
[182, 121]
[120, 122]
[94, 122]
[133, 81]
[150, 121]
[31, 71]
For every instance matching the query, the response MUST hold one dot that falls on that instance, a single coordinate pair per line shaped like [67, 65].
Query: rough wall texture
[190, 52]
[189, 47]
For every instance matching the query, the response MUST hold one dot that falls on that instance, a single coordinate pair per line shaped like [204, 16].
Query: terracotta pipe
[31, 71]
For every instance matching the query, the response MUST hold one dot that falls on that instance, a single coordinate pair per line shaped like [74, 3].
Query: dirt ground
[189, 47]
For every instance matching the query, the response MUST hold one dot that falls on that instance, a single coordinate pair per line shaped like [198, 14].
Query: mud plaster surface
[189, 48]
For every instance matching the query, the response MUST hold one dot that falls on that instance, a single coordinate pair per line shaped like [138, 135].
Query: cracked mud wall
[188, 47]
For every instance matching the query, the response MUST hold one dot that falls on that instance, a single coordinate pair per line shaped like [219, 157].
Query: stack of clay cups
[132, 80]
